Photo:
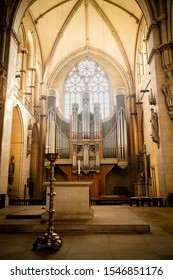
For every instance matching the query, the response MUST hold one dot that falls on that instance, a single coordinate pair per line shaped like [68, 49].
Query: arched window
[87, 76]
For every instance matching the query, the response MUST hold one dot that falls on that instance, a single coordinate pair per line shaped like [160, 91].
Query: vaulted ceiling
[104, 26]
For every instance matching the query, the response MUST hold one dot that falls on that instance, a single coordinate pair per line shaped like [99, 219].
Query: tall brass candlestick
[50, 238]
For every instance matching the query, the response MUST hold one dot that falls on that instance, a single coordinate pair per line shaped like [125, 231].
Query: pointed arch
[16, 151]
[108, 24]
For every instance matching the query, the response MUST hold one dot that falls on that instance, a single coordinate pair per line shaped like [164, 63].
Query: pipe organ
[86, 136]
[86, 139]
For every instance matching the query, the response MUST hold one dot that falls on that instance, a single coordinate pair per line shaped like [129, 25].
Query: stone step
[75, 227]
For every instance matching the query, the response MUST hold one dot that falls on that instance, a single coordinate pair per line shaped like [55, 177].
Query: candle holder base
[50, 238]
[47, 239]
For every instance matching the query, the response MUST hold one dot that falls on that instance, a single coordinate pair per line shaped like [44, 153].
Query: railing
[109, 201]
[21, 97]
[20, 202]
[146, 201]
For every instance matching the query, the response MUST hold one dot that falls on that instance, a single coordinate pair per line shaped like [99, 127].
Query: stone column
[23, 71]
[6, 109]
[8, 41]
[165, 46]
[158, 61]
[167, 89]
[33, 73]
[3, 85]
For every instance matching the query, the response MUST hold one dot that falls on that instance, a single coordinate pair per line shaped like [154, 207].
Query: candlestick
[52, 137]
[78, 167]
[50, 238]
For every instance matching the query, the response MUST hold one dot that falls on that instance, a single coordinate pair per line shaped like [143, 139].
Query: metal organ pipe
[96, 120]
[75, 108]
[120, 94]
[86, 157]
[85, 116]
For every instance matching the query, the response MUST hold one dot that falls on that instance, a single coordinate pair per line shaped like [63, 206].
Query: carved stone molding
[3, 85]
[167, 89]
[165, 51]
[166, 46]
[14, 35]
[153, 25]
[153, 52]
[161, 18]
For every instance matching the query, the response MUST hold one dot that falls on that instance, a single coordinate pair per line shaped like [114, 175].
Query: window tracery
[87, 76]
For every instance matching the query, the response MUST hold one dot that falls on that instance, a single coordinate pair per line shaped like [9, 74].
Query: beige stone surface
[71, 199]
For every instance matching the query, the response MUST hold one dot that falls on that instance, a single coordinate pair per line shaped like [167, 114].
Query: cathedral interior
[92, 82]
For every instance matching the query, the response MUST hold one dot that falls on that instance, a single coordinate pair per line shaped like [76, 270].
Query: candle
[52, 137]
[79, 167]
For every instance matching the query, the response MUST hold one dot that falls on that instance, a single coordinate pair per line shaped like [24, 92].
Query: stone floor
[154, 245]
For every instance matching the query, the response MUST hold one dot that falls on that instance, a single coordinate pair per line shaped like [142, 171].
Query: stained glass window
[87, 76]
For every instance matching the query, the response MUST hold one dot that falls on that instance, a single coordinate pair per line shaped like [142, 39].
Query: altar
[72, 200]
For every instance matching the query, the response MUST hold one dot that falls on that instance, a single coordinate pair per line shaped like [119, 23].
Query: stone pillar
[33, 72]
[167, 89]
[158, 61]
[6, 111]
[165, 46]
[37, 90]
[3, 38]
[8, 41]
[3, 85]
[23, 71]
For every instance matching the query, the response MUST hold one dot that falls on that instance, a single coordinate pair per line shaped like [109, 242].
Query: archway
[15, 157]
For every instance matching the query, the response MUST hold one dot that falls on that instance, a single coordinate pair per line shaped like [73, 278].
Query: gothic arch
[16, 151]
[95, 54]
